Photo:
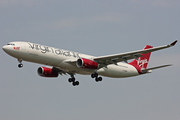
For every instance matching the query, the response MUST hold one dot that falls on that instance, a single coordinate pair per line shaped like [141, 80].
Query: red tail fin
[142, 62]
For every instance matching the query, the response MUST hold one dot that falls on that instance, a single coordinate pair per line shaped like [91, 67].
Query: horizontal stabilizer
[146, 70]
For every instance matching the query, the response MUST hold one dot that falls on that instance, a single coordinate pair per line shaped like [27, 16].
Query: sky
[98, 28]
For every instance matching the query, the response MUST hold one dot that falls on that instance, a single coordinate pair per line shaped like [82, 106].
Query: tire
[20, 65]
[70, 79]
[100, 79]
[73, 79]
[92, 75]
[77, 82]
[96, 80]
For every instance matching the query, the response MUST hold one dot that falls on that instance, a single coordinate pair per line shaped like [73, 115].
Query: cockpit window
[11, 44]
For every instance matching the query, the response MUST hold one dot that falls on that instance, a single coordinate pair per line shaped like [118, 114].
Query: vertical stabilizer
[142, 62]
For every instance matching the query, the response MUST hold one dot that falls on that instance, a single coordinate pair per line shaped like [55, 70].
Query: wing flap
[61, 72]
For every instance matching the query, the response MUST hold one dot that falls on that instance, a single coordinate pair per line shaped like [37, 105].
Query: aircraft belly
[118, 71]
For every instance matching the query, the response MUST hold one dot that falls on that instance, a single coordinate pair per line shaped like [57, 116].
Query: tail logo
[142, 62]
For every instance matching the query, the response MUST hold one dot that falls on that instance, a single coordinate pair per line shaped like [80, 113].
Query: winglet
[172, 44]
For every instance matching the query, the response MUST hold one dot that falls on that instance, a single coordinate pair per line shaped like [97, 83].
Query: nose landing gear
[20, 65]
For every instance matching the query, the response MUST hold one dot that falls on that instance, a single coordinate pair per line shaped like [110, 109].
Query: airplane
[71, 63]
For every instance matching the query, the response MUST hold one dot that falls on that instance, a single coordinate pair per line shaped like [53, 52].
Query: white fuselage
[60, 58]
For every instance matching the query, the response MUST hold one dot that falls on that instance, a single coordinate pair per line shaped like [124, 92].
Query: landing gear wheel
[75, 83]
[71, 79]
[98, 79]
[92, 75]
[20, 65]
[95, 75]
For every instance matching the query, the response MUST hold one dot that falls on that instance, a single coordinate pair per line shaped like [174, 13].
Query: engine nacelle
[86, 63]
[47, 72]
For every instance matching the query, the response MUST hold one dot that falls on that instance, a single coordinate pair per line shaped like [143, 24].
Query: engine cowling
[86, 63]
[47, 72]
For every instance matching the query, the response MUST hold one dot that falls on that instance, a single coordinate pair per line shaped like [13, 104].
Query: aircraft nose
[6, 48]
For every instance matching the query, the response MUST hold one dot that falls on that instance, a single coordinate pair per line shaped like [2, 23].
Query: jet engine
[47, 72]
[86, 63]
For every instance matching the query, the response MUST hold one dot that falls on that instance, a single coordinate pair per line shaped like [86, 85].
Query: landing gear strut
[95, 75]
[20, 65]
[72, 79]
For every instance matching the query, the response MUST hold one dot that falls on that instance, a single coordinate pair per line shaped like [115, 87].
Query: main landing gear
[76, 83]
[72, 79]
[20, 65]
[95, 75]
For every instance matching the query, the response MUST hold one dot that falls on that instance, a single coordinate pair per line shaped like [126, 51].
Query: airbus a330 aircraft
[67, 62]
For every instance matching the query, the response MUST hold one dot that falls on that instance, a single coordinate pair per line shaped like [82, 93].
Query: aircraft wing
[113, 59]
[61, 72]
